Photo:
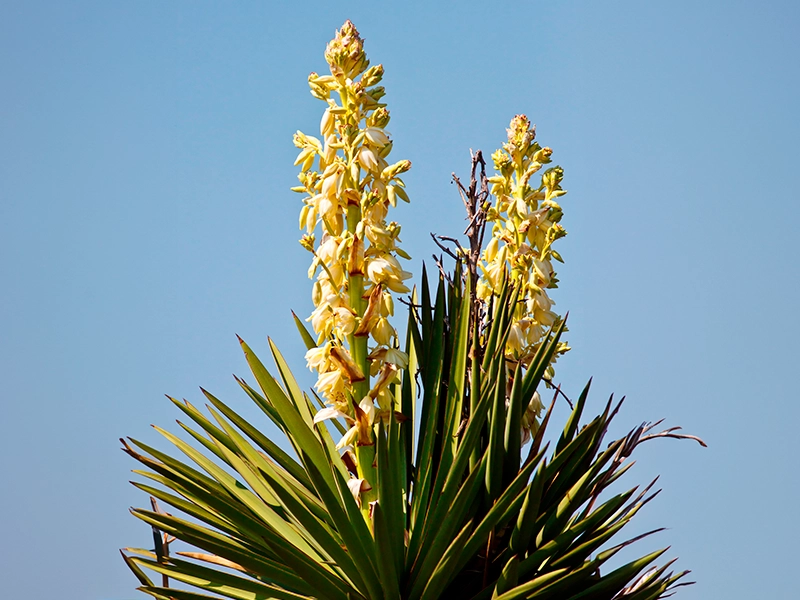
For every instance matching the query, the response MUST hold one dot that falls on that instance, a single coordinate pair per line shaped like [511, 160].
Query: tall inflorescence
[349, 185]
[525, 222]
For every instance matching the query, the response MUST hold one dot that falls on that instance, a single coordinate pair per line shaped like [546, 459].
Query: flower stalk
[349, 186]
[525, 220]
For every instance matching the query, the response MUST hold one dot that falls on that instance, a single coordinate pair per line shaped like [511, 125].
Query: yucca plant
[432, 490]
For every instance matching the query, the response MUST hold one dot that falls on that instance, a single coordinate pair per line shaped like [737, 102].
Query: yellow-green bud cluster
[525, 223]
[349, 185]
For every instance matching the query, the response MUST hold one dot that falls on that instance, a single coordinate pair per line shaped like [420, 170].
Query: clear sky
[146, 218]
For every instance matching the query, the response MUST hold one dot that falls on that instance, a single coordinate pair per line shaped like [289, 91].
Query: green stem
[358, 345]
[367, 472]
[365, 455]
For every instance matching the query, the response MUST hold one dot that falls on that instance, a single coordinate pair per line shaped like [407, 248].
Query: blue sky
[145, 218]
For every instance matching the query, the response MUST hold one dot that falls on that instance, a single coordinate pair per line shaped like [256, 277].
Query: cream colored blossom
[383, 332]
[530, 424]
[356, 486]
[525, 223]
[386, 270]
[349, 184]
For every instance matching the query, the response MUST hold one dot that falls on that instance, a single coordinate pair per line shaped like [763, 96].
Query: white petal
[376, 136]
[368, 159]
[348, 439]
[356, 485]
[368, 407]
[328, 413]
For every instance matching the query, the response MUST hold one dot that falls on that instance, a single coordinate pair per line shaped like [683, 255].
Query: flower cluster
[525, 223]
[349, 185]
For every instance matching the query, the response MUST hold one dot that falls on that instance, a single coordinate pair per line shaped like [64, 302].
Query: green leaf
[390, 494]
[457, 380]
[495, 453]
[430, 572]
[303, 438]
[522, 532]
[308, 340]
[508, 578]
[164, 593]
[387, 566]
[512, 438]
[292, 574]
[298, 398]
[221, 582]
[542, 360]
[509, 502]
[263, 442]
[572, 423]
[528, 589]
[617, 579]
[431, 367]
[314, 530]
[348, 521]
[135, 569]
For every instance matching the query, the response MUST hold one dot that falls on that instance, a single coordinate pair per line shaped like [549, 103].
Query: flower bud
[384, 152]
[376, 93]
[318, 91]
[345, 53]
[551, 179]
[368, 159]
[500, 160]
[396, 169]
[372, 76]
[491, 250]
[521, 133]
[380, 118]
[316, 293]
[307, 241]
[543, 156]
[400, 192]
[387, 305]
[327, 126]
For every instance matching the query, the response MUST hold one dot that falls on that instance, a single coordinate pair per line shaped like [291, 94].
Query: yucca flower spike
[525, 223]
[349, 186]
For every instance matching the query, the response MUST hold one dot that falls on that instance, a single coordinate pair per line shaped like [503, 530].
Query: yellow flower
[361, 425]
[331, 384]
[516, 339]
[317, 358]
[344, 319]
[525, 224]
[386, 270]
[376, 136]
[368, 159]
[389, 355]
[530, 416]
[327, 125]
[349, 186]
[383, 332]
